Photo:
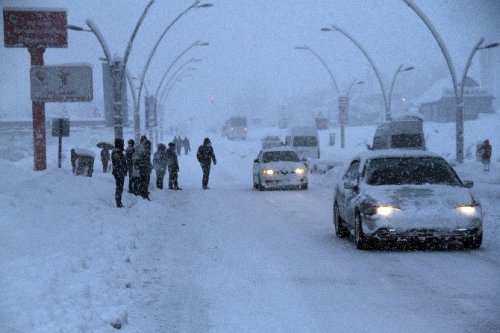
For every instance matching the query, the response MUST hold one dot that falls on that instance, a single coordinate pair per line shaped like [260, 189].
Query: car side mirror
[349, 185]
[468, 183]
[256, 160]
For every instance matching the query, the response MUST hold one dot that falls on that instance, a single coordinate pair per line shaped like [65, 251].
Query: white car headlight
[468, 210]
[300, 171]
[386, 210]
[268, 172]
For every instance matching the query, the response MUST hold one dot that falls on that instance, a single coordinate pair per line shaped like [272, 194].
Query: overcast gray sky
[251, 46]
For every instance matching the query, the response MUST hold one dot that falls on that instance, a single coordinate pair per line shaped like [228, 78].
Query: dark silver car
[405, 196]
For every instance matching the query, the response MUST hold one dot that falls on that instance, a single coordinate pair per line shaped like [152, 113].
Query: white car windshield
[277, 156]
[410, 170]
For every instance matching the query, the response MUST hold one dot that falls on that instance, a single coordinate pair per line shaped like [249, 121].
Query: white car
[394, 196]
[279, 168]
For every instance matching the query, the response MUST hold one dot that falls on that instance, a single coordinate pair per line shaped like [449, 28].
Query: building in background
[438, 102]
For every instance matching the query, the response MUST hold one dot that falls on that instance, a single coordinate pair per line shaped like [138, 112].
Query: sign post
[36, 30]
[343, 117]
[60, 128]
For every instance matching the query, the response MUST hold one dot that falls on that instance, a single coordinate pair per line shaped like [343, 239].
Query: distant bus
[235, 128]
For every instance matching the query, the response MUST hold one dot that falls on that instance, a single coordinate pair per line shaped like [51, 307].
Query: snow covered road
[229, 259]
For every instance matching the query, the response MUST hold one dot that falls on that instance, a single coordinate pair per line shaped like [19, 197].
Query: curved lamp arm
[372, 63]
[134, 33]
[441, 44]
[95, 30]
[467, 65]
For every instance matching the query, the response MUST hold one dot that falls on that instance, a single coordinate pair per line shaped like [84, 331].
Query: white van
[405, 132]
[304, 140]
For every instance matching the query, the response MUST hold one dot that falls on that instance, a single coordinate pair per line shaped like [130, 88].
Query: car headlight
[300, 171]
[386, 210]
[268, 172]
[469, 210]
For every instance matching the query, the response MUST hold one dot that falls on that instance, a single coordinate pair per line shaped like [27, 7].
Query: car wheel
[304, 186]
[359, 238]
[340, 230]
[473, 243]
[259, 185]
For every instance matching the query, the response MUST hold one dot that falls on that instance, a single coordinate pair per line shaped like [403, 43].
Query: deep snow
[230, 259]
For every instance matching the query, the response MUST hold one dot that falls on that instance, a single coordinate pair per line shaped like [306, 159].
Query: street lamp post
[137, 119]
[343, 101]
[116, 67]
[399, 70]
[159, 97]
[372, 63]
[457, 86]
[177, 58]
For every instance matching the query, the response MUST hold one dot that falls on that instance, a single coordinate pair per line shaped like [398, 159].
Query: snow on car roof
[395, 153]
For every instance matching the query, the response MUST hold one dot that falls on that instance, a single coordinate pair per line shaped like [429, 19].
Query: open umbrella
[105, 145]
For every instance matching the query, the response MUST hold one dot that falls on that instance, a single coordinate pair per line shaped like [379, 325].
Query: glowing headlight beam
[300, 171]
[386, 210]
[268, 172]
[467, 210]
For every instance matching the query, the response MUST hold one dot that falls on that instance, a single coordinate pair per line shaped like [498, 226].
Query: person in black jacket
[173, 167]
[144, 165]
[160, 162]
[105, 159]
[129, 154]
[205, 156]
[119, 170]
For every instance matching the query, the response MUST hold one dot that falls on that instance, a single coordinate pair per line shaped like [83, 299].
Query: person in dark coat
[105, 156]
[136, 167]
[173, 167]
[485, 151]
[144, 165]
[178, 144]
[160, 162]
[205, 156]
[186, 145]
[129, 155]
[119, 163]
[74, 157]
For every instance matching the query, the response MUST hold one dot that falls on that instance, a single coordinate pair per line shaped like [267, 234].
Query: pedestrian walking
[186, 145]
[178, 145]
[173, 167]
[205, 156]
[105, 157]
[485, 151]
[129, 154]
[160, 164]
[119, 163]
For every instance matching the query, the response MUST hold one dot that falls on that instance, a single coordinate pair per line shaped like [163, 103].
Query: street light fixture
[137, 119]
[343, 101]
[372, 63]
[399, 70]
[179, 56]
[116, 66]
[458, 87]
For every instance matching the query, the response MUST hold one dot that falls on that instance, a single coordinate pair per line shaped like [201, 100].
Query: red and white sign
[30, 28]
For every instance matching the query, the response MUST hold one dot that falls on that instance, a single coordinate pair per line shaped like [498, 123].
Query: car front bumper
[284, 181]
[422, 228]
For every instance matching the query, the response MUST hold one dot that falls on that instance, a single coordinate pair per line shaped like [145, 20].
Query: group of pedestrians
[135, 161]
[181, 143]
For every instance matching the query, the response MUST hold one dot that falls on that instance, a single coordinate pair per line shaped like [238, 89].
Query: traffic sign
[29, 28]
[64, 83]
